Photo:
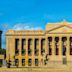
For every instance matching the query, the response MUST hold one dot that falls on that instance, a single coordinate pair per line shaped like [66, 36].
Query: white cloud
[21, 26]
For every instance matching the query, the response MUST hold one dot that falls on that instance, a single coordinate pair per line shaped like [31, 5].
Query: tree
[3, 51]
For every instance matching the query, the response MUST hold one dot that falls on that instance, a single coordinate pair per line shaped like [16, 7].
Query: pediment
[61, 29]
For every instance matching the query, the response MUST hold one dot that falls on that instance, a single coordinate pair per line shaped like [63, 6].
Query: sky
[32, 14]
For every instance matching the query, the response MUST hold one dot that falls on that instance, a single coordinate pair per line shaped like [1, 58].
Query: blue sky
[32, 14]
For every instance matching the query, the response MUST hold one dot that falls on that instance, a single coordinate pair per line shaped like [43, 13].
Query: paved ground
[36, 70]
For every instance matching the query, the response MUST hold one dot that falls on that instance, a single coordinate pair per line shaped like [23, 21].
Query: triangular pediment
[61, 29]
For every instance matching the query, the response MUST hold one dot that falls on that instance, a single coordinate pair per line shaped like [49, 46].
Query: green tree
[3, 51]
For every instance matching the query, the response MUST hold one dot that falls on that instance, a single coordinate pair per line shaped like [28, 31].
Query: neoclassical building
[40, 48]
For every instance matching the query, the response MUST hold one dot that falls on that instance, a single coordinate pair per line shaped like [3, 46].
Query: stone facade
[40, 48]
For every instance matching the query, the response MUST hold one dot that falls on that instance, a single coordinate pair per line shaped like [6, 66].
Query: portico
[38, 48]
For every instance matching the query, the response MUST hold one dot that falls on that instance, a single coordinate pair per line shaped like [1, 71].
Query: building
[40, 48]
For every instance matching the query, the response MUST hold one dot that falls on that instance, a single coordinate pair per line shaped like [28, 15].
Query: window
[64, 46]
[23, 51]
[17, 52]
[23, 62]
[56, 39]
[43, 41]
[36, 52]
[29, 46]
[49, 45]
[50, 39]
[23, 46]
[29, 52]
[56, 45]
[57, 51]
[16, 62]
[64, 39]
[70, 51]
[16, 43]
[29, 41]
[29, 62]
[16, 46]
[42, 46]
[36, 62]
[36, 41]
[36, 45]
[64, 50]
[70, 45]
[23, 43]
[50, 51]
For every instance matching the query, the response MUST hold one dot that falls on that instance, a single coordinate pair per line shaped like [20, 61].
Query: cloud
[21, 26]
[18, 26]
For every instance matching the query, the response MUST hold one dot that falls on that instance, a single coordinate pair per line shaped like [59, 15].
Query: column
[60, 50]
[33, 56]
[68, 48]
[46, 54]
[53, 46]
[13, 50]
[60, 46]
[20, 57]
[46, 46]
[53, 50]
[7, 48]
[39, 57]
[26, 59]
